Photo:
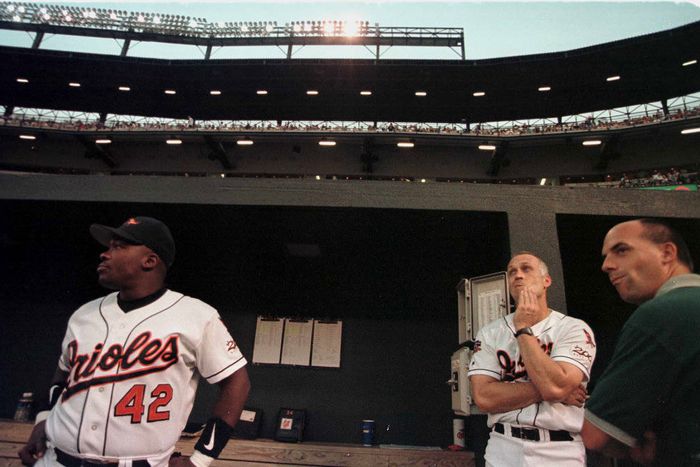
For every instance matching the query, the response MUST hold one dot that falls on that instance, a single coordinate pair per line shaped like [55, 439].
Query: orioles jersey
[563, 338]
[132, 377]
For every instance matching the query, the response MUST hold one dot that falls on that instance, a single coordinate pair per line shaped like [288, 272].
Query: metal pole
[125, 47]
[37, 39]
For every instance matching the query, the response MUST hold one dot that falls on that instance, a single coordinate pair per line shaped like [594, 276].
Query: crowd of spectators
[642, 179]
[665, 177]
[117, 123]
[654, 178]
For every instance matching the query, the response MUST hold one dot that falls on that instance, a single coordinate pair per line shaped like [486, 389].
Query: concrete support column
[535, 230]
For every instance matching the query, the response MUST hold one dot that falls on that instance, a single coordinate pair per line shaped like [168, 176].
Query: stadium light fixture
[689, 131]
[244, 142]
[173, 141]
[613, 78]
[261, 92]
[421, 93]
[487, 147]
[365, 93]
[170, 92]
[22, 80]
[215, 92]
[690, 62]
[103, 141]
[592, 142]
[544, 88]
[27, 137]
[312, 92]
[124, 88]
[167, 24]
[74, 84]
[479, 94]
[326, 143]
[405, 144]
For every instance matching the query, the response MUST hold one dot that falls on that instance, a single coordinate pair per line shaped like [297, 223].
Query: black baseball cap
[141, 230]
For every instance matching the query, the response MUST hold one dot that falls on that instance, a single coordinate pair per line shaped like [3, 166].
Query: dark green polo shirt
[653, 379]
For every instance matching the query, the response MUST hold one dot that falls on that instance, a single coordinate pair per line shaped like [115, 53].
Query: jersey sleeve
[484, 360]
[218, 355]
[65, 358]
[576, 345]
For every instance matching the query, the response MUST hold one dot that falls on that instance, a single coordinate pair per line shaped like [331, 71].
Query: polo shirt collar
[676, 282]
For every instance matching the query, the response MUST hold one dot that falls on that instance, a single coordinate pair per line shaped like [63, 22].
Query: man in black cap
[131, 361]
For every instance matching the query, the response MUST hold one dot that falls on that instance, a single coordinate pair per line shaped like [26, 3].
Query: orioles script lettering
[144, 355]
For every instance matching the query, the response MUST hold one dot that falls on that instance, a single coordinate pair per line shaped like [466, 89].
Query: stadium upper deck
[650, 68]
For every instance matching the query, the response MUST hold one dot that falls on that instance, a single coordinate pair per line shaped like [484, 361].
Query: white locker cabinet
[480, 300]
[459, 383]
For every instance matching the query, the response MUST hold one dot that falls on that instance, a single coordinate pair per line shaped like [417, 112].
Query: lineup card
[268, 340]
[326, 343]
[296, 344]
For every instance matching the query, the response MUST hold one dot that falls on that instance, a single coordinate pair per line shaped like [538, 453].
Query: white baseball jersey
[563, 338]
[133, 376]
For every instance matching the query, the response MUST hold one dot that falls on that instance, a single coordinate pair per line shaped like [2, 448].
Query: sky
[492, 28]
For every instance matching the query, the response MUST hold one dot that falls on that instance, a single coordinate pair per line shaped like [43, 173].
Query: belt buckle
[530, 434]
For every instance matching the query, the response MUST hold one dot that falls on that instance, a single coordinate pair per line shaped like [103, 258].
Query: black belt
[71, 461]
[533, 434]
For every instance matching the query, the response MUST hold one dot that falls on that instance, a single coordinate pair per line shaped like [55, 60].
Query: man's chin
[107, 284]
[631, 298]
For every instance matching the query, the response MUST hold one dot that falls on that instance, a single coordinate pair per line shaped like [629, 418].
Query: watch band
[522, 331]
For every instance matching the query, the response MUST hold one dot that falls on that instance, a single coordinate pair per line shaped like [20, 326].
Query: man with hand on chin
[529, 373]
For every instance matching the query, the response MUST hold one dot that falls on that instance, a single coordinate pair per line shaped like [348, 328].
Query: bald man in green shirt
[646, 404]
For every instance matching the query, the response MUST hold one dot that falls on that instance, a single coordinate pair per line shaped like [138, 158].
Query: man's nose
[607, 265]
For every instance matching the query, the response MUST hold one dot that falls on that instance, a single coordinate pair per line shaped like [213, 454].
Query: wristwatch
[522, 331]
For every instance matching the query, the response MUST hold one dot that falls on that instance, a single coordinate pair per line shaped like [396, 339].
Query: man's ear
[150, 261]
[547, 281]
[669, 252]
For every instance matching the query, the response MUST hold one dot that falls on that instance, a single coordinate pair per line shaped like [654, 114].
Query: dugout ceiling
[650, 68]
[300, 261]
